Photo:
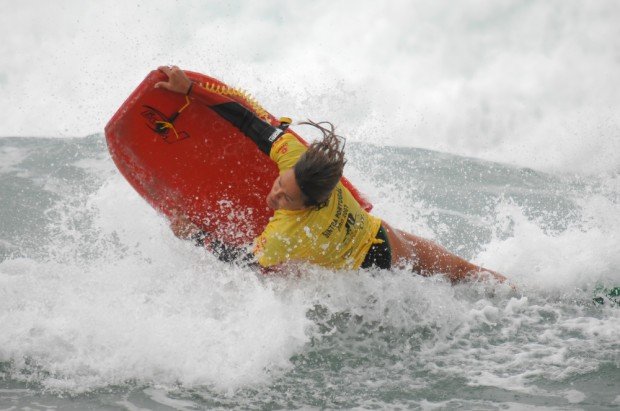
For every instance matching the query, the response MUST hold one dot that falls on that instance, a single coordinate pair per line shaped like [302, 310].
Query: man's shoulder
[286, 150]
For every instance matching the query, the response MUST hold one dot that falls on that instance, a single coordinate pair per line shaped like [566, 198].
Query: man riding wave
[316, 219]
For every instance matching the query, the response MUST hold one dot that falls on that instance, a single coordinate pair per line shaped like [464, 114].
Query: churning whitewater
[489, 127]
[99, 297]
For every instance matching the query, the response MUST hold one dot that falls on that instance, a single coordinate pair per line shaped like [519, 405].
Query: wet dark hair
[319, 169]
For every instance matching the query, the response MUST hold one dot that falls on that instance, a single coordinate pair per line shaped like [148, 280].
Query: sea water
[490, 128]
[101, 306]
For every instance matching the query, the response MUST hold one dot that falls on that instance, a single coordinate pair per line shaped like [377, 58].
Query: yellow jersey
[337, 236]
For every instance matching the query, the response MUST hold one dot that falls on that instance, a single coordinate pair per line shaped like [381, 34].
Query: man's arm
[429, 258]
[184, 229]
[260, 132]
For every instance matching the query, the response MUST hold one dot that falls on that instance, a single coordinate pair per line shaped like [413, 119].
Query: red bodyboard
[203, 167]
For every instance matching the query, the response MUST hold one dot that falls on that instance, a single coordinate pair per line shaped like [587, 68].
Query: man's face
[285, 193]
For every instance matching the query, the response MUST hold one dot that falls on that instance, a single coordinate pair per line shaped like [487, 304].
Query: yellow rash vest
[337, 236]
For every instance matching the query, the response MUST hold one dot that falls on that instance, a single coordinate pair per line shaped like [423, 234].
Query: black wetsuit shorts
[379, 255]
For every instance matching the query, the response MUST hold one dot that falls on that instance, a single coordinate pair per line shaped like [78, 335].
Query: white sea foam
[114, 297]
[144, 305]
[97, 165]
[160, 397]
[520, 82]
[140, 303]
[118, 298]
[583, 254]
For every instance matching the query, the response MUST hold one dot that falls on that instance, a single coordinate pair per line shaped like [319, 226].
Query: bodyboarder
[316, 219]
